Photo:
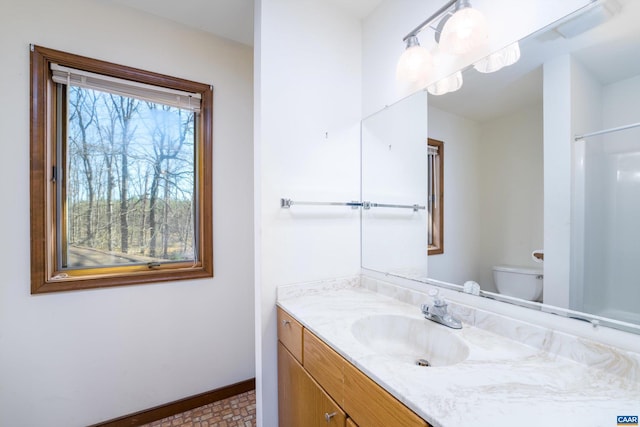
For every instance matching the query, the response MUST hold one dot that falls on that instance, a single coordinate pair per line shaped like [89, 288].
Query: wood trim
[178, 406]
[120, 71]
[438, 229]
[38, 166]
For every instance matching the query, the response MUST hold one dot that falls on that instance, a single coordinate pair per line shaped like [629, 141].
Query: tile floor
[236, 411]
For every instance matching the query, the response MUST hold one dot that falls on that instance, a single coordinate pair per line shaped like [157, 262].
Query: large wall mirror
[521, 191]
[394, 172]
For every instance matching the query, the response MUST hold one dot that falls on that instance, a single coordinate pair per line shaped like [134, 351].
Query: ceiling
[231, 19]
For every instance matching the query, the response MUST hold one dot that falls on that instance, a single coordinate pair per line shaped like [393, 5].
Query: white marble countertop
[502, 382]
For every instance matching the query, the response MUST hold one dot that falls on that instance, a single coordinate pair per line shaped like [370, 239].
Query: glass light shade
[511, 54]
[465, 31]
[502, 58]
[446, 85]
[414, 64]
[441, 60]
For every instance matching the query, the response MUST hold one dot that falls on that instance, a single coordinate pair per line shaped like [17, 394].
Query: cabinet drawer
[290, 334]
[325, 365]
[371, 406]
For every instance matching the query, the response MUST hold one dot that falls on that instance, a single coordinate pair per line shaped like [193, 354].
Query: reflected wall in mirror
[516, 182]
[394, 171]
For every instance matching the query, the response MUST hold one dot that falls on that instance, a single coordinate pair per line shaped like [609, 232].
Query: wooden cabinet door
[372, 406]
[301, 401]
[350, 423]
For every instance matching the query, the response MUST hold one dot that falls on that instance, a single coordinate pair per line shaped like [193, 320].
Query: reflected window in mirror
[435, 185]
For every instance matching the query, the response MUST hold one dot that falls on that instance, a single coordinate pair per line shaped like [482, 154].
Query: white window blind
[145, 92]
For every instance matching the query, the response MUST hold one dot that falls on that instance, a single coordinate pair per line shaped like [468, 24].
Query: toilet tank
[519, 282]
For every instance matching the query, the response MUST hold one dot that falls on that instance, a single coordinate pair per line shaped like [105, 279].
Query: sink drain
[423, 362]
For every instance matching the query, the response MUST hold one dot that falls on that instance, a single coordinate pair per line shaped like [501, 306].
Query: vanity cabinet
[326, 387]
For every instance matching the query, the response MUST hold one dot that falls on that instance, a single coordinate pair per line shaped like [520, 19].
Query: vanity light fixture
[500, 59]
[465, 31]
[415, 62]
[458, 32]
[446, 85]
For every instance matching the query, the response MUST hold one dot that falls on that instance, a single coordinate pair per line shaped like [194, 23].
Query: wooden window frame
[44, 275]
[437, 247]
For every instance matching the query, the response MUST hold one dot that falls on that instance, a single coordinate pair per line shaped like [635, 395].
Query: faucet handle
[437, 301]
[424, 308]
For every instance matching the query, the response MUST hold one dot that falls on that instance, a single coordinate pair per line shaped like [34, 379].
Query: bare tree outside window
[108, 136]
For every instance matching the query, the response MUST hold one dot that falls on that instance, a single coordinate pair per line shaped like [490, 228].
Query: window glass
[128, 188]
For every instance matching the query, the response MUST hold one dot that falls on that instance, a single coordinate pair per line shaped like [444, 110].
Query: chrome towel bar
[287, 203]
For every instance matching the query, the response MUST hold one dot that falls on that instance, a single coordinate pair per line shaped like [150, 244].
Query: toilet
[519, 282]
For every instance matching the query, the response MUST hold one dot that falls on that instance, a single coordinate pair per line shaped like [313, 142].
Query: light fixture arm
[430, 19]
[462, 4]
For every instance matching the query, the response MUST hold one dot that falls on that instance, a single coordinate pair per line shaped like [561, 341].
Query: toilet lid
[521, 270]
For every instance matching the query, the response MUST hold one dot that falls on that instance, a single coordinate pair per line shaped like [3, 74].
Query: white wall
[557, 179]
[307, 148]
[619, 106]
[511, 191]
[460, 260]
[77, 358]
[572, 100]
[587, 231]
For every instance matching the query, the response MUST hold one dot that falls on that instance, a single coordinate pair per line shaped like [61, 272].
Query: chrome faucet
[438, 312]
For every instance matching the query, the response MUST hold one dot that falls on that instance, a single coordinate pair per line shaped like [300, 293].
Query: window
[435, 208]
[120, 175]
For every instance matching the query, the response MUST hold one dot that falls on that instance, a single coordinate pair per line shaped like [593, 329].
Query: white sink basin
[409, 340]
